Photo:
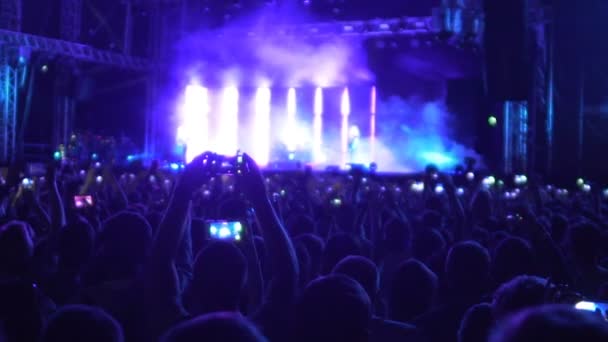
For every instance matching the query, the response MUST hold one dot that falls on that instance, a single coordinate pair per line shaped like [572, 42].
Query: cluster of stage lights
[194, 130]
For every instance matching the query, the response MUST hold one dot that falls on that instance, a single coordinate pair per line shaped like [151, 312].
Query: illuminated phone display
[83, 201]
[226, 230]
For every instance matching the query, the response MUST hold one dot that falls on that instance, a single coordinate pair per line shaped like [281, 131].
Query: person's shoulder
[387, 330]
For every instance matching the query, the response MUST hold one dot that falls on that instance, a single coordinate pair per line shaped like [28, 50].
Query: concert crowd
[221, 251]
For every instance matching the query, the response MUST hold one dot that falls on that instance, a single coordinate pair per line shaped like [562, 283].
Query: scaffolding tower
[10, 18]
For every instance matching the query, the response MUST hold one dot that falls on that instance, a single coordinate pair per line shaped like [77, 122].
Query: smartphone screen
[600, 308]
[225, 230]
[85, 201]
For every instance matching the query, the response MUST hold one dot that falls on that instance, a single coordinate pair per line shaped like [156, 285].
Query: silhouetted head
[124, 243]
[314, 245]
[337, 248]
[82, 323]
[220, 272]
[559, 227]
[16, 249]
[432, 219]
[481, 206]
[363, 270]
[397, 235]
[219, 326]
[519, 293]
[586, 242]
[22, 310]
[412, 292]
[513, 257]
[552, 323]
[332, 308]
[476, 324]
[300, 224]
[76, 245]
[427, 243]
[467, 269]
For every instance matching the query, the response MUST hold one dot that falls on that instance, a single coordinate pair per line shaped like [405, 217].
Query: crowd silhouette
[322, 257]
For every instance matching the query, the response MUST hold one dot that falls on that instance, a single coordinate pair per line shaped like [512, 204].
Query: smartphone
[83, 201]
[597, 307]
[225, 230]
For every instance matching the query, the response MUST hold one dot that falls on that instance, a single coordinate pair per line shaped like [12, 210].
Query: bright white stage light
[262, 126]
[291, 134]
[226, 141]
[318, 156]
[372, 124]
[345, 111]
[194, 131]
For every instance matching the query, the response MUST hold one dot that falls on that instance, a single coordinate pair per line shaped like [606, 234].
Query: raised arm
[280, 251]
[162, 280]
[58, 218]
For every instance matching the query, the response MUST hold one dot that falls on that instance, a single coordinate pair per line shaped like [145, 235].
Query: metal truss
[384, 27]
[8, 105]
[73, 50]
[71, 20]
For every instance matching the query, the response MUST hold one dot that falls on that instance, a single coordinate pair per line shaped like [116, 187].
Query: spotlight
[44, 69]
[580, 182]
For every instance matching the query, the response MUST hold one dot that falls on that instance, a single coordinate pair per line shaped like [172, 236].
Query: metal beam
[377, 27]
[73, 50]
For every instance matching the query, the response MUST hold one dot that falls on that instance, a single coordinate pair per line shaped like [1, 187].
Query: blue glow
[130, 158]
[174, 166]
[94, 156]
[438, 159]
[57, 155]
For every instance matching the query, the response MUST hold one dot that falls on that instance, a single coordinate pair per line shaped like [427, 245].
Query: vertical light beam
[318, 127]
[194, 129]
[345, 111]
[292, 134]
[227, 138]
[262, 126]
[372, 124]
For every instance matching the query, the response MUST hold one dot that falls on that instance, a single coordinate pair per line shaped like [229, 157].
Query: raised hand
[197, 172]
[251, 182]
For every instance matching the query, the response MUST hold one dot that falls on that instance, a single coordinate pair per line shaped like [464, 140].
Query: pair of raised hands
[249, 179]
